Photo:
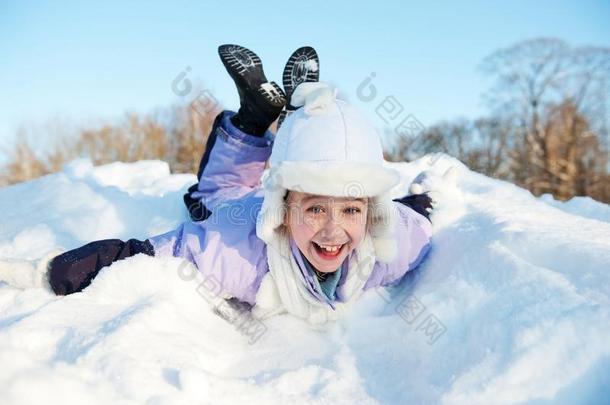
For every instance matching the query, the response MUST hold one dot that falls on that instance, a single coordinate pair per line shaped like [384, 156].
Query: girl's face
[326, 229]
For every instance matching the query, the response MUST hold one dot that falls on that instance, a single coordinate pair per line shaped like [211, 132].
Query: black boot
[302, 66]
[261, 101]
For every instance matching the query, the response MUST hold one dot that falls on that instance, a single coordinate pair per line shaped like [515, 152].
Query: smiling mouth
[328, 252]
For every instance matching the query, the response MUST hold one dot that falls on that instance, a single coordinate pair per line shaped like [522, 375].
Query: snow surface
[311, 65]
[512, 306]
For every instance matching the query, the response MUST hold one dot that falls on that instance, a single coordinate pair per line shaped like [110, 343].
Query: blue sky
[78, 62]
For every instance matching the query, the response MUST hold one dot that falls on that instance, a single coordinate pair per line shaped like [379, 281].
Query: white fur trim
[268, 301]
[382, 210]
[285, 280]
[336, 178]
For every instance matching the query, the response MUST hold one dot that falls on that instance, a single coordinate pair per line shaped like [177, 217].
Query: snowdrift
[511, 306]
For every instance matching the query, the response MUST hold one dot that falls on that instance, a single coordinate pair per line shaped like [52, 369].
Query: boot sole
[302, 66]
[243, 65]
[273, 94]
[246, 67]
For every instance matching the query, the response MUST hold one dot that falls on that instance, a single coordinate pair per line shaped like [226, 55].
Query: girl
[309, 235]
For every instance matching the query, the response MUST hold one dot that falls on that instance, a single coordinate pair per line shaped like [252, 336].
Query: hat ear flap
[272, 213]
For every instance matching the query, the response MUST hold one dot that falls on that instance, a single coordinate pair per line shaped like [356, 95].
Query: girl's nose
[331, 229]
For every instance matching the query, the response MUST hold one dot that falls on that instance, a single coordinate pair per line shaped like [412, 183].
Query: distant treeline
[548, 125]
[176, 135]
[547, 129]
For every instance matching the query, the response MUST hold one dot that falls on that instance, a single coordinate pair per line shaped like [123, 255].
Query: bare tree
[482, 145]
[554, 96]
[176, 134]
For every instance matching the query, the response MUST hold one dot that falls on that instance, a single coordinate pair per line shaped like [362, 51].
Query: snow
[581, 206]
[270, 89]
[512, 305]
[311, 65]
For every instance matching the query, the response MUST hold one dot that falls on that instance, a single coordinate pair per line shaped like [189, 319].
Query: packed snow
[511, 306]
[311, 65]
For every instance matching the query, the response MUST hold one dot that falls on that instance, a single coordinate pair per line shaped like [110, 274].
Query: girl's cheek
[301, 227]
[308, 229]
[309, 223]
[358, 228]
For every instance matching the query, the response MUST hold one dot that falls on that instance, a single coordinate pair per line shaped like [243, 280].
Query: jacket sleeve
[224, 248]
[413, 234]
[232, 164]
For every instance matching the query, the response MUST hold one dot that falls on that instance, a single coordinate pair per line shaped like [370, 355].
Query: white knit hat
[329, 148]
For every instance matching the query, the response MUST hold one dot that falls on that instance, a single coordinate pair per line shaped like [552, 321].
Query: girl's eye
[316, 209]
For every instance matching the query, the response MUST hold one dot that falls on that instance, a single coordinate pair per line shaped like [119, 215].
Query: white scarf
[283, 288]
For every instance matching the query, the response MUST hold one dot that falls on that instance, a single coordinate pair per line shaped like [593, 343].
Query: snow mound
[581, 206]
[512, 305]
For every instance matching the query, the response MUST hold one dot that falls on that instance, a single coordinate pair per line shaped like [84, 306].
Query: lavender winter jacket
[225, 245]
